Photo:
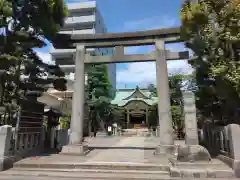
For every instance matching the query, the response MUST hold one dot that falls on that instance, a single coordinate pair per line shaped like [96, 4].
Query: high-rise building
[83, 18]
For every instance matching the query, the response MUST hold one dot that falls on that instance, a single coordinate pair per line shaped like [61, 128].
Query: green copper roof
[123, 96]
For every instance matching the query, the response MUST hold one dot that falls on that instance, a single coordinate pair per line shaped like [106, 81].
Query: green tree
[65, 121]
[99, 90]
[176, 82]
[215, 42]
[24, 26]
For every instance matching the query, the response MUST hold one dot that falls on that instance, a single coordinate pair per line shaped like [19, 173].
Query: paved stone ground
[102, 141]
[111, 141]
[131, 154]
[121, 154]
[124, 155]
[114, 151]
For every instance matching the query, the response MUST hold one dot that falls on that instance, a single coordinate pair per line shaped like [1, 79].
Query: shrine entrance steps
[114, 164]
[136, 132]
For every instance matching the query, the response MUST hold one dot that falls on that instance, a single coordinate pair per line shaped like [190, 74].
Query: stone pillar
[147, 116]
[53, 135]
[191, 136]
[128, 118]
[5, 144]
[42, 138]
[164, 107]
[191, 151]
[233, 131]
[76, 127]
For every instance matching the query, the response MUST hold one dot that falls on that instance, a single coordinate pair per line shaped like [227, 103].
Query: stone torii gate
[120, 40]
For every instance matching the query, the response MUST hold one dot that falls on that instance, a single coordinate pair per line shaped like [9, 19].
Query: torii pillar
[76, 146]
[166, 145]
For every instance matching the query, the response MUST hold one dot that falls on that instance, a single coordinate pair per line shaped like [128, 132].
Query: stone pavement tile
[105, 141]
[109, 155]
[156, 159]
[119, 155]
[122, 155]
[125, 155]
[154, 141]
[133, 155]
[134, 141]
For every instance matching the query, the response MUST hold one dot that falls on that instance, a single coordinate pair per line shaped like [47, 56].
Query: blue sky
[136, 15]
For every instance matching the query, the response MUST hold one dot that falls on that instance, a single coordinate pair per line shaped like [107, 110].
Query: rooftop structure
[124, 96]
[135, 105]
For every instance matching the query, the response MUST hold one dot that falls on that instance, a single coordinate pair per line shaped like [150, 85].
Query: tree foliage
[176, 83]
[211, 29]
[24, 26]
[99, 94]
[64, 122]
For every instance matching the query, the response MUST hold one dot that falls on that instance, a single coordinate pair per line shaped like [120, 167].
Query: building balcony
[84, 31]
[62, 53]
[79, 22]
[81, 7]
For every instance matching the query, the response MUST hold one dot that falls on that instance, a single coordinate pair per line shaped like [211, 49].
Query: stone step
[93, 165]
[90, 174]
[12, 177]
[120, 169]
[212, 169]
[215, 163]
[93, 171]
[39, 175]
[202, 173]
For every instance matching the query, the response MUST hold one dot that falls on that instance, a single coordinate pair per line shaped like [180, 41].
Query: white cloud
[137, 73]
[144, 73]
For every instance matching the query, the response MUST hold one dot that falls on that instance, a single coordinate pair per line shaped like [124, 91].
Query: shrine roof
[123, 96]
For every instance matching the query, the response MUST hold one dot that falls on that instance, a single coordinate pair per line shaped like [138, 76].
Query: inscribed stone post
[191, 136]
[234, 145]
[5, 139]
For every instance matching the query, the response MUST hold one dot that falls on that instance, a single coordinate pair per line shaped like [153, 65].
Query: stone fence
[215, 139]
[15, 145]
[61, 136]
[223, 142]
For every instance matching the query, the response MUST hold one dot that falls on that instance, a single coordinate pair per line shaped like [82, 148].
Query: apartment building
[83, 18]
